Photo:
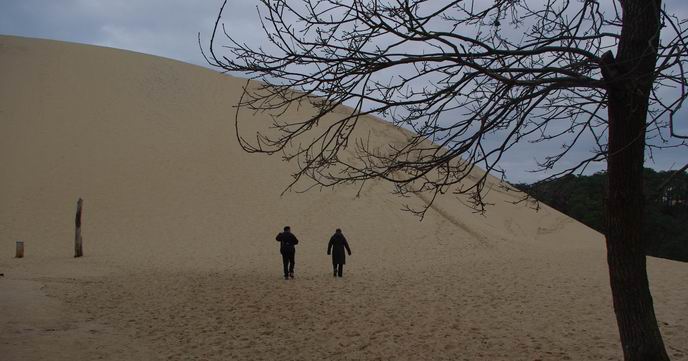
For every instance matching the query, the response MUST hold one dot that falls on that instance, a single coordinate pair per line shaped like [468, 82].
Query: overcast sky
[169, 28]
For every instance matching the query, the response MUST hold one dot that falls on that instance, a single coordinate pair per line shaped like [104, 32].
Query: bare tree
[471, 79]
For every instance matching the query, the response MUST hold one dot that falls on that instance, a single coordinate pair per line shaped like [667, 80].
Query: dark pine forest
[666, 207]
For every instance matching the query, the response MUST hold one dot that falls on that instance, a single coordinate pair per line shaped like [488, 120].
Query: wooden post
[78, 245]
[20, 249]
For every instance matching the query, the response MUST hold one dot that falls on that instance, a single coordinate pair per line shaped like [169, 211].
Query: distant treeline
[666, 207]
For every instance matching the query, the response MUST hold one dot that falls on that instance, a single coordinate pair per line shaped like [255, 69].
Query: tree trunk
[629, 78]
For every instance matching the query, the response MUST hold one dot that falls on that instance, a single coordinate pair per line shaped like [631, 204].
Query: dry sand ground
[179, 229]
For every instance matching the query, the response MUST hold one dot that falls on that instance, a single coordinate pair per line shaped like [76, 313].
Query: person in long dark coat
[336, 247]
[287, 242]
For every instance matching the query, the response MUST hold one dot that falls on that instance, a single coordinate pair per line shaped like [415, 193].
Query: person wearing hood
[287, 242]
[336, 247]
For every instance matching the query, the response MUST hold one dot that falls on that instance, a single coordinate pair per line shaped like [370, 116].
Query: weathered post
[78, 245]
[20, 249]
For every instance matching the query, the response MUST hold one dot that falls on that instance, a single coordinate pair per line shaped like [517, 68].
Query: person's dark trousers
[288, 262]
[338, 269]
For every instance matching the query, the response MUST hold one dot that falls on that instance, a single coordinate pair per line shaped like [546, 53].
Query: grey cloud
[166, 28]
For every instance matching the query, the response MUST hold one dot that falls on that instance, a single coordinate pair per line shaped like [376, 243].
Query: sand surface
[179, 225]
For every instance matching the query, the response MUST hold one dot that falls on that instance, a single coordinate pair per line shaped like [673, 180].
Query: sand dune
[179, 227]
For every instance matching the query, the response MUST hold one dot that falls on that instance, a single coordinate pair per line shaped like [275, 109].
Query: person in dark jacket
[336, 247]
[287, 242]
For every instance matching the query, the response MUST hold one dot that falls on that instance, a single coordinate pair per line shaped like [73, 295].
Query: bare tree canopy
[455, 72]
[472, 79]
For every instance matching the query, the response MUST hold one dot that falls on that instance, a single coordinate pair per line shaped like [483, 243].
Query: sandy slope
[179, 229]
